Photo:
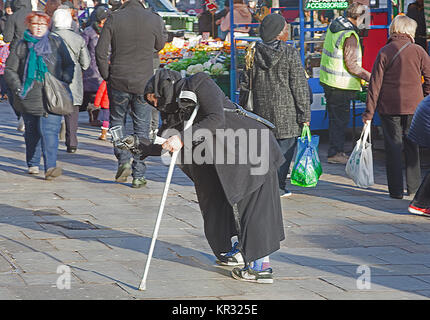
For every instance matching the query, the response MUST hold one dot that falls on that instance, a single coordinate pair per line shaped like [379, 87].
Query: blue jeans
[41, 138]
[119, 104]
[288, 147]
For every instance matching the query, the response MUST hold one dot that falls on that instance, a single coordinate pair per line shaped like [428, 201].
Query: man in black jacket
[15, 24]
[132, 33]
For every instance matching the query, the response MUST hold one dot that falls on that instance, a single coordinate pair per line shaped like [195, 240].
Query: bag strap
[365, 133]
[306, 132]
[396, 55]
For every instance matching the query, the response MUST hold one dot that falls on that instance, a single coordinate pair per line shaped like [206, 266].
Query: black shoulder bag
[58, 96]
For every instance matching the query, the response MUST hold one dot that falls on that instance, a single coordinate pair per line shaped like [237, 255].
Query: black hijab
[166, 85]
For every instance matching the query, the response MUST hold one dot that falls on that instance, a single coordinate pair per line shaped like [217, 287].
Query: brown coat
[399, 89]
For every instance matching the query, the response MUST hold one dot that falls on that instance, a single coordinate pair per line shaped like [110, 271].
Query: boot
[103, 135]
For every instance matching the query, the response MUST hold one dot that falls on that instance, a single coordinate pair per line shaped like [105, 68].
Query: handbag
[58, 96]
[360, 163]
[307, 165]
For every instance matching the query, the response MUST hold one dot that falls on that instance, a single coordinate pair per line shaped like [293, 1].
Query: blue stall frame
[319, 119]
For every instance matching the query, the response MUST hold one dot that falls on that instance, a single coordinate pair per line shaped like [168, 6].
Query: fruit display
[196, 55]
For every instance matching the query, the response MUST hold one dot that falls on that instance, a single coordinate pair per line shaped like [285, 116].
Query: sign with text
[326, 4]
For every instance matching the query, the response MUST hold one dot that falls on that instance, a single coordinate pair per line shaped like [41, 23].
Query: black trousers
[72, 127]
[338, 103]
[422, 197]
[397, 147]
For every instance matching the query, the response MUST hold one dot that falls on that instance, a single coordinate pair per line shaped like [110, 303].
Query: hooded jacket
[241, 15]
[398, 90]
[132, 32]
[15, 24]
[80, 56]
[92, 78]
[279, 88]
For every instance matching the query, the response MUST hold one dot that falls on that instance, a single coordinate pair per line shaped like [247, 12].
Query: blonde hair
[403, 24]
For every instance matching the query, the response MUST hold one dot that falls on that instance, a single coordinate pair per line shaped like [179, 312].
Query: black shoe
[71, 149]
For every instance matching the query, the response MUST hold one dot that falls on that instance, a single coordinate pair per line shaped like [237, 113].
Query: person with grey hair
[340, 75]
[62, 26]
[395, 90]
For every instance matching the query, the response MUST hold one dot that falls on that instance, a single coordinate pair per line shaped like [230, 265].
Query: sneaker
[123, 172]
[71, 149]
[52, 173]
[21, 125]
[251, 275]
[231, 258]
[284, 193]
[138, 182]
[338, 158]
[421, 211]
[33, 170]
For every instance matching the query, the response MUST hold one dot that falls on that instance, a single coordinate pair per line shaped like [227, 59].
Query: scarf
[39, 48]
[96, 27]
[166, 85]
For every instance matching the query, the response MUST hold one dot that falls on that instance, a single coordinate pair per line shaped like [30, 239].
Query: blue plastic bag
[307, 165]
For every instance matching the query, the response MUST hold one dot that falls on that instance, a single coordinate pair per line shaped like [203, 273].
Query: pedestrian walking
[419, 132]
[129, 37]
[13, 32]
[15, 24]
[38, 52]
[234, 200]
[276, 81]
[340, 76]
[62, 26]
[395, 90]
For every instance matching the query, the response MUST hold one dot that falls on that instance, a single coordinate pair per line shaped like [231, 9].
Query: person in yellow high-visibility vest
[340, 75]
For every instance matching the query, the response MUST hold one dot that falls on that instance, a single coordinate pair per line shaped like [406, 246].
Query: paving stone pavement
[336, 234]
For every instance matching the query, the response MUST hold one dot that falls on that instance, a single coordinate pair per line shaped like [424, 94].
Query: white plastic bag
[360, 164]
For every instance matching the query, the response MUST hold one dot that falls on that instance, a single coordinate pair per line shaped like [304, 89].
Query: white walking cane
[188, 124]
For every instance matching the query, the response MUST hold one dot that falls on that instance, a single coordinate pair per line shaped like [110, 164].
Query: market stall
[307, 34]
[197, 54]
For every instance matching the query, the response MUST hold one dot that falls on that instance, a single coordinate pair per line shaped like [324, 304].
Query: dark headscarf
[166, 85]
[163, 84]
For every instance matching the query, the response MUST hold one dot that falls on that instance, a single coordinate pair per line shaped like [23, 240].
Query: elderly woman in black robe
[238, 197]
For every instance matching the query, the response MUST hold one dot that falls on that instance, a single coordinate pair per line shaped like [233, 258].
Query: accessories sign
[326, 4]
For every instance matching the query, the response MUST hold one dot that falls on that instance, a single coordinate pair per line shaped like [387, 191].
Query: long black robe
[221, 187]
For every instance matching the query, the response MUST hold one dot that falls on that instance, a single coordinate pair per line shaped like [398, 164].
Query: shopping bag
[307, 166]
[360, 163]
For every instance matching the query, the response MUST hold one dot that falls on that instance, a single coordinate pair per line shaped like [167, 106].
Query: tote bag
[58, 95]
[307, 165]
[360, 163]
